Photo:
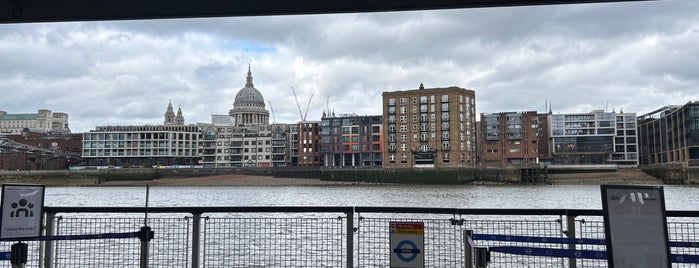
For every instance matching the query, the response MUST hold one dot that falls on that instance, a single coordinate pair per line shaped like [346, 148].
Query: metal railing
[314, 236]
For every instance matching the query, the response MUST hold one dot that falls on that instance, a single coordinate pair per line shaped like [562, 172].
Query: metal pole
[481, 257]
[468, 248]
[145, 237]
[570, 221]
[18, 255]
[48, 245]
[196, 229]
[146, 234]
[350, 238]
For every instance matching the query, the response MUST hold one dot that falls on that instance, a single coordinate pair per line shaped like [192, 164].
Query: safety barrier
[557, 252]
[319, 236]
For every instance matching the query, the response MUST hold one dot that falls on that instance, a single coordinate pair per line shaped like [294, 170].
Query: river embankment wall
[409, 176]
[673, 173]
[98, 176]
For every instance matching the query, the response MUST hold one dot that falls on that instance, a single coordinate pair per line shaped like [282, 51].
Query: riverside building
[513, 138]
[595, 138]
[308, 145]
[351, 140]
[148, 145]
[170, 144]
[429, 127]
[670, 135]
[236, 146]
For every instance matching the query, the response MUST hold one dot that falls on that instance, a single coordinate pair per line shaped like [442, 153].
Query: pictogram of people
[22, 206]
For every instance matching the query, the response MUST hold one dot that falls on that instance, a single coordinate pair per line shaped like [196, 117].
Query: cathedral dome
[249, 105]
[249, 95]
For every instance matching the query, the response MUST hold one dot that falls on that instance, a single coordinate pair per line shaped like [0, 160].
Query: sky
[634, 56]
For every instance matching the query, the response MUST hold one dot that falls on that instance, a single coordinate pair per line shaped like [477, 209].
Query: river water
[462, 196]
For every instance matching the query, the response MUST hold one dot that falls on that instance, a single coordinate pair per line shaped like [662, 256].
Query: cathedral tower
[249, 105]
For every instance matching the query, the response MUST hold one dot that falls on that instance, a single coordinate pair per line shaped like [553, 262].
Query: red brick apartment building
[513, 138]
[309, 153]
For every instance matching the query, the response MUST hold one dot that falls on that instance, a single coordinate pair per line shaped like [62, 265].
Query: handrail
[347, 209]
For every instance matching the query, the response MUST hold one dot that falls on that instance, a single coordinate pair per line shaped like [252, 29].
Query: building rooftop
[18, 117]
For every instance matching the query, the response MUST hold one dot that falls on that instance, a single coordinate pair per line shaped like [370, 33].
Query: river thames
[461, 196]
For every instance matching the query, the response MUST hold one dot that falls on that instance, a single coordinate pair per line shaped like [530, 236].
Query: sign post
[22, 210]
[635, 226]
[407, 244]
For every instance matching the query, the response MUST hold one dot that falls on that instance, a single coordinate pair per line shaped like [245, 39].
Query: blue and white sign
[407, 244]
[22, 210]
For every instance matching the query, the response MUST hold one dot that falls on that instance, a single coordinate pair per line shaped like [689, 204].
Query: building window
[445, 145]
[403, 101]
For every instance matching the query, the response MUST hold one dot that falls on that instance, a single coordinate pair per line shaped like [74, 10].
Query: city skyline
[635, 56]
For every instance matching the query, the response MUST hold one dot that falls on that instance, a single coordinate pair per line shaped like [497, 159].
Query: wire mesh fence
[169, 248]
[443, 239]
[320, 237]
[274, 242]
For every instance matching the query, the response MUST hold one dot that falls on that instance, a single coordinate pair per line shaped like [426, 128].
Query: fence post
[48, 245]
[145, 237]
[196, 229]
[482, 257]
[570, 221]
[468, 248]
[350, 238]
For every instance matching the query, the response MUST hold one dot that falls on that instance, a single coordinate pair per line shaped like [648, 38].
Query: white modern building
[595, 138]
[148, 145]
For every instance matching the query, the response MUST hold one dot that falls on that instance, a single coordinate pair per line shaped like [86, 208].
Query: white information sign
[635, 226]
[22, 210]
[407, 244]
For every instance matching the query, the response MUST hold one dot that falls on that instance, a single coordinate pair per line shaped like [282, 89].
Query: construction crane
[302, 113]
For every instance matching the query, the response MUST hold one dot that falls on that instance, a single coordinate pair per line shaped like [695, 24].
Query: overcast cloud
[636, 56]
